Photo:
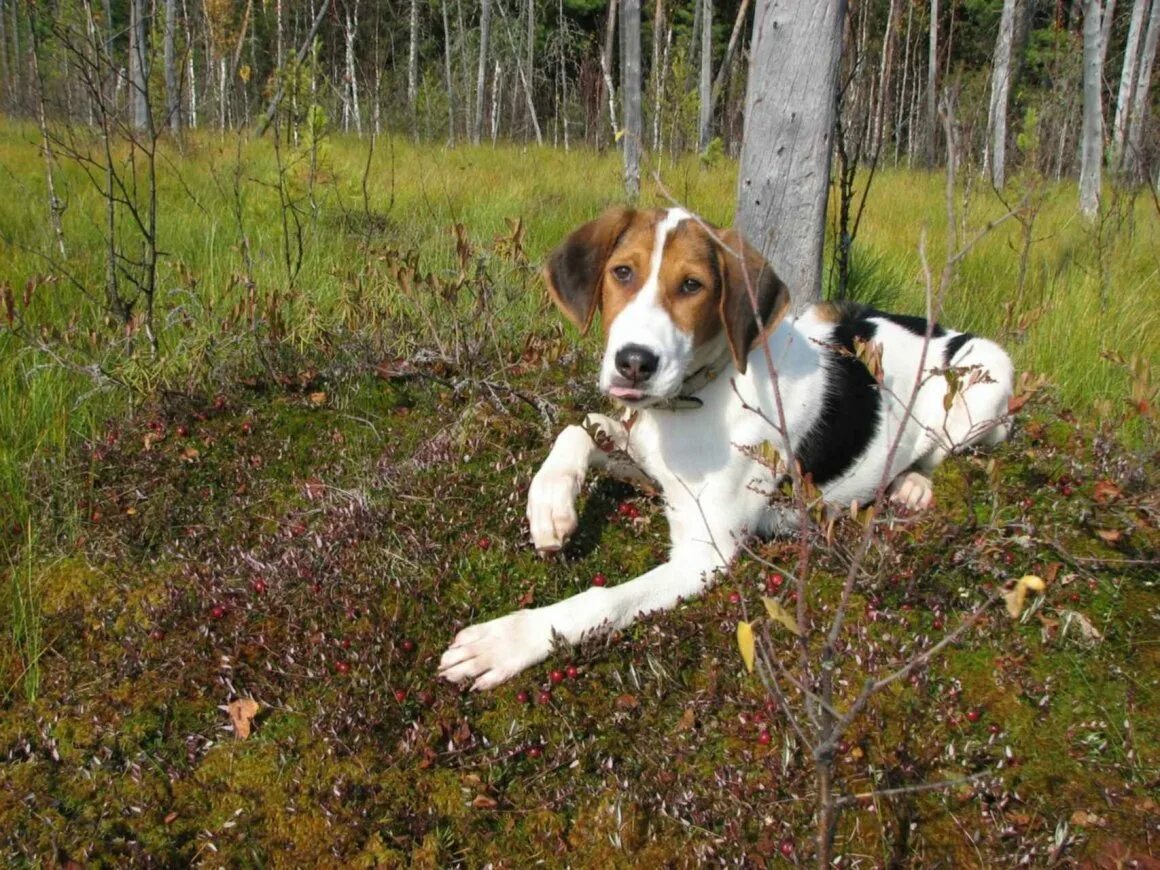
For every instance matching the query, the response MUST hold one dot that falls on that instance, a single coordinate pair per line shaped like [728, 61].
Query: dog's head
[673, 292]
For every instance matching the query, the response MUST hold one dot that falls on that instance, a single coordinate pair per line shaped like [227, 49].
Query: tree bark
[481, 78]
[172, 91]
[630, 87]
[789, 122]
[1127, 82]
[351, 110]
[1093, 121]
[931, 131]
[730, 51]
[303, 50]
[1133, 164]
[606, 66]
[138, 66]
[447, 74]
[413, 56]
[705, 116]
[658, 71]
[995, 155]
[885, 77]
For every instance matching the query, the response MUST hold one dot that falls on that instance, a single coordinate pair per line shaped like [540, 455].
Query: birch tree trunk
[995, 154]
[789, 122]
[705, 117]
[351, 106]
[606, 66]
[138, 66]
[885, 76]
[658, 71]
[5, 73]
[1127, 83]
[1133, 164]
[447, 74]
[413, 56]
[481, 78]
[172, 92]
[730, 51]
[1093, 121]
[630, 87]
[931, 131]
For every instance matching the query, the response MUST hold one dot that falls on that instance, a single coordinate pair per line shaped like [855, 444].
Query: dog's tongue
[625, 393]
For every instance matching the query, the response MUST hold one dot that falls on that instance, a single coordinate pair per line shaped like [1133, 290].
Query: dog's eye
[691, 285]
[622, 273]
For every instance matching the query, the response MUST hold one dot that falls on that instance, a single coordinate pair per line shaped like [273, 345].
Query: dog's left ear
[748, 318]
[576, 268]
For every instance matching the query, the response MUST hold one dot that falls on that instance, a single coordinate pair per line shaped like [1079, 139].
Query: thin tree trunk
[303, 50]
[1127, 83]
[495, 99]
[658, 71]
[138, 65]
[885, 76]
[1093, 122]
[5, 72]
[525, 76]
[1133, 164]
[705, 119]
[480, 81]
[413, 57]
[790, 101]
[172, 92]
[902, 103]
[931, 130]
[351, 109]
[54, 205]
[630, 83]
[730, 52]
[529, 73]
[606, 67]
[995, 153]
[447, 73]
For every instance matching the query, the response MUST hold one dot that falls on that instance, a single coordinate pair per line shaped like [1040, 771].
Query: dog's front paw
[552, 508]
[492, 652]
[912, 490]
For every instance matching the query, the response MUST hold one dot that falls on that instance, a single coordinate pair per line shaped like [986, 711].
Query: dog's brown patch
[691, 256]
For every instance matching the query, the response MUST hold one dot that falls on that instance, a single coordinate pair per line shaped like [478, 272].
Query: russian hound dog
[692, 318]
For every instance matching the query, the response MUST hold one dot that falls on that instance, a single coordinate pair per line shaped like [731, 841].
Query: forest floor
[312, 542]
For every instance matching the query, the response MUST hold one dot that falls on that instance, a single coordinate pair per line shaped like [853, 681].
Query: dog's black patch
[954, 346]
[848, 421]
[913, 325]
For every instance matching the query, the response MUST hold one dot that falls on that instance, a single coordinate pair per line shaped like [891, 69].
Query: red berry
[1065, 490]
[775, 581]
[734, 597]
[764, 738]
[1027, 504]
[400, 695]
[572, 672]
[316, 588]
[994, 728]
[408, 646]
[623, 508]
[786, 847]
[974, 714]
[556, 677]
[157, 635]
[218, 611]
[522, 697]
[342, 667]
[843, 748]
[484, 543]
[426, 698]
[598, 579]
[260, 587]
[345, 643]
[544, 697]
[937, 625]
[633, 512]
[534, 752]
[182, 431]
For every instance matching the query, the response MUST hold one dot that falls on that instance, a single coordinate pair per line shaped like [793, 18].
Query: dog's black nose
[636, 363]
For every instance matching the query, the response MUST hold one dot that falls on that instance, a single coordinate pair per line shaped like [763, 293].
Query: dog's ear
[743, 270]
[574, 269]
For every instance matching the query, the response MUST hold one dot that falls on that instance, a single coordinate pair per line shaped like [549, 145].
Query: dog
[692, 318]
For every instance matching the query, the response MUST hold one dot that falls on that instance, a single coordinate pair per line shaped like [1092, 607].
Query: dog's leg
[552, 495]
[912, 489]
[492, 652]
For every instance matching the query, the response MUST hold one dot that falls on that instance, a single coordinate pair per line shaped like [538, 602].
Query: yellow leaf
[747, 644]
[318, 398]
[242, 713]
[1016, 597]
[779, 614]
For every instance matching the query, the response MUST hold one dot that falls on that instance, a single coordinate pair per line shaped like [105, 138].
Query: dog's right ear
[575, 269]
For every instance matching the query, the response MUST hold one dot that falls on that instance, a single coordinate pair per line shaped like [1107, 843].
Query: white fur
[714, 493]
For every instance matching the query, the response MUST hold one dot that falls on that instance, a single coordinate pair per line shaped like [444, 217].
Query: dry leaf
[1110, 536]
[318, 398]
[190, 454]
[1105, 491]
[1088, 633]
[242, 713]
[483, 802]
[170, 818]
[1084, 818]
[627, 702]
[747, 644]
[688, 720]
[1017, 596]
[779, 614]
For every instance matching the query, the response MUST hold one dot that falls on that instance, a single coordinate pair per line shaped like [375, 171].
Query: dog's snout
[636, 363]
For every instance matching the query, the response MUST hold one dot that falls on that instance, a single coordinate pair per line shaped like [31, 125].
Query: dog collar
[686, 400]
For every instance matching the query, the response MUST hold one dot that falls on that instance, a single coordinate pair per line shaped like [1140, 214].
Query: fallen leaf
[688, 720]
[483, 802]
[779, 614]
[1017, 596]
[527, 598]
[313, 488]
[1088, 634]
[1105, 491]
[1110, 536]
[190, 454]
[170, 818]
[242, 713]
[1084, 818]
[747, 644]
[1050, 627]
[627, 702]
[318, 398]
